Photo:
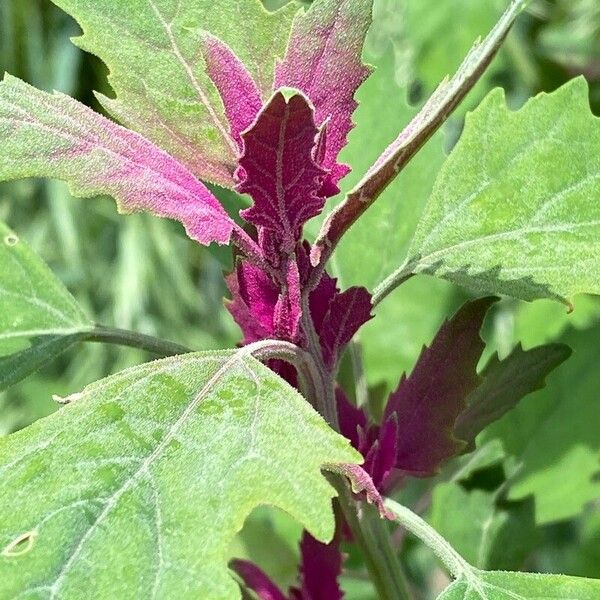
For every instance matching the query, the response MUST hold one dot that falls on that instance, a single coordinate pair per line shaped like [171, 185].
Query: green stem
[451, 559]
[132, 339]
[373, 538]
[388, 285]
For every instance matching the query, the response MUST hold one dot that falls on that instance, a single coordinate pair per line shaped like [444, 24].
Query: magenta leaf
[52, 135]
[240, 94]
[256, 580]
[428, 402]
[323, 60]
[279, 171]
[320, 568]
[347, 313]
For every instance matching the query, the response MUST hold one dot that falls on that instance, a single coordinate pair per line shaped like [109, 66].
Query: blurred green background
[141, 273]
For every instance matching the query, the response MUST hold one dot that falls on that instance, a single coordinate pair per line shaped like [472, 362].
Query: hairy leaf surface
[136, 488]
[152, 48]
[323, 60]
[279, 170]
[39, 319]
[503, 585]
[514, 209]
[52, 135]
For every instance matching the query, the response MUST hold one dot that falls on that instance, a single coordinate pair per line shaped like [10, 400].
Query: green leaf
[137, 487]
[554, 435]
[505, 383]
[500, 585]
[39, 319]
[474, 584]
[514, 208]
[152, 48]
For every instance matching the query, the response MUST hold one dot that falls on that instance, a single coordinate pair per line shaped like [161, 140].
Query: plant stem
[372, 536]
[132, 339]
[451, 559]
[389, 284]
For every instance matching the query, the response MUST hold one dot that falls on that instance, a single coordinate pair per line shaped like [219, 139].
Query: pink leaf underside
[254, 298]
[278, 169]
[258, 306]
[240, 94]
[428, 402]
[321, 566]
[52, 135]
[362, 484]
[257, 580]
[323, 60]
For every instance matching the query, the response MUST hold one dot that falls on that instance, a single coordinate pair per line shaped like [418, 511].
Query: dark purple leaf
[279, 171]
[428, 402]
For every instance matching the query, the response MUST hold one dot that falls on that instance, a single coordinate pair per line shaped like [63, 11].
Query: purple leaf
[52, 135]
[240, 94]
[428, 402]
[323, 60]
[254, 298]
[260, 308]
[381, 459]
[352, 420]
[347, 313]
[256, 580]
[278, 169]
[320, 568]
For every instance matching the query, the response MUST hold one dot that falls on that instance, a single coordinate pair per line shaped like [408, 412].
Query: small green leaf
[137, 487]
[501, 585]
[514, 209]
[152, 49]
[505, 383]
[553, 435]
[39, 319]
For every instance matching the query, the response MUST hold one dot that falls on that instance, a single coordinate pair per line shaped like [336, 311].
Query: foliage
[284, 109]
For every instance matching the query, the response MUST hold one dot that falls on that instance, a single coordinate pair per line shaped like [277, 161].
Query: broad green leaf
[553, 435]
[152, 48]
[39, 319]
[486, 534]
[514, 208]
[501, 585]
[137, 487]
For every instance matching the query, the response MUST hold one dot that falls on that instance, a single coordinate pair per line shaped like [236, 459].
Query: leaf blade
[523, 221]
[52, 135]
[165, 93]
[148, 450]
[39, 318]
